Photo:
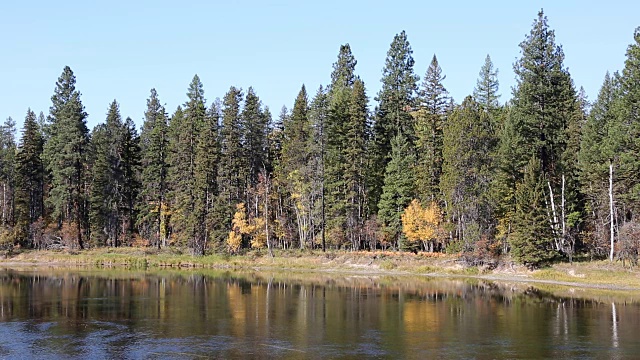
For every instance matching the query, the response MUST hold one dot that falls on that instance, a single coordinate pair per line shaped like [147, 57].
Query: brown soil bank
[594, 274]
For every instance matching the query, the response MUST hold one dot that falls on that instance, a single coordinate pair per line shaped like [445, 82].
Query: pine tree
[630, 114]
[30, 179]
[335, 144]
[108, 185]
[255, 138]
[177, 174]
[186, 126]
[429, 121]
[601, 144]
[232, 167]
[486, 90]
[151, 204]
[396, 100]
[296, 168]
[66, 153]
[508, 166]
[434, 97]
[7, 171]
[398, 190]
[131, 171]
[206, 186]
[356, 163]
[319, 118]
[532, 242]
[343, 74]
[544, 104]
[466, 172]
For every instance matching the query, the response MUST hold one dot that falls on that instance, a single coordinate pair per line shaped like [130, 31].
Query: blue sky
[121, 49]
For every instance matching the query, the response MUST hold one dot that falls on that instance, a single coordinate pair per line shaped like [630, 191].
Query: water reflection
[224, 315]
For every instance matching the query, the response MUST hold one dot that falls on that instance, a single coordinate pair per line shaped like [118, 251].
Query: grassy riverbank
[594, 274]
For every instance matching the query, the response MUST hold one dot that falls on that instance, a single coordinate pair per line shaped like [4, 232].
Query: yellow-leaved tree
[240, 225]
[422, 224]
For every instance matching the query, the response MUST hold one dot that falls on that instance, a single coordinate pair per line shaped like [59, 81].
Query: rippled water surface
[119, 315]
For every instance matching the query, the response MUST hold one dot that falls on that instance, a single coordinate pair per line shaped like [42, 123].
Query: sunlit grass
[601, 273]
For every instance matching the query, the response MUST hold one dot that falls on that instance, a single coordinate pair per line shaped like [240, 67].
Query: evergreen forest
[543, 176]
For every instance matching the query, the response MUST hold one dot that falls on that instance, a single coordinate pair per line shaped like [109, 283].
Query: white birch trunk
[611, 209]
[563, 214]
[554, 226]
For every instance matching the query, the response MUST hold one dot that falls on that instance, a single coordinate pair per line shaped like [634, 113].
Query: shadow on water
[88, 314]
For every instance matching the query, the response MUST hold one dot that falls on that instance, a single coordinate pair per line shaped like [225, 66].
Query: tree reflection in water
[88, 314]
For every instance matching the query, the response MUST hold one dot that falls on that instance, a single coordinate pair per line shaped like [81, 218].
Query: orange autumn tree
[421, 224]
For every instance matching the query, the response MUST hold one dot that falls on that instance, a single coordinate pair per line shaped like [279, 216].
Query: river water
[83, 314]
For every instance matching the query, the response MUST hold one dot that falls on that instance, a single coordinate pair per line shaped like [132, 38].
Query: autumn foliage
[254, 228]
[421, 223]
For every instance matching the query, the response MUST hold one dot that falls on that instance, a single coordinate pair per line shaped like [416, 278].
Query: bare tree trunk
[4, 203]
[554, 226]
[267, 183]
[563, 214]
[611, 208]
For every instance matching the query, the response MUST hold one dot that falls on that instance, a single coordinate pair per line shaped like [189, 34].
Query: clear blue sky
[121, 49]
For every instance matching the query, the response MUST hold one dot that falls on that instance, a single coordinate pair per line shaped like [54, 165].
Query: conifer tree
[335, 140]
[232, 166]
[114, 185]
[467, 169]
[356, 163]
[396, 100]
[545, 103]
[398, 190]
[630, 113]
[30, 178]
[66, 154]
[231, 177]
[208, 170]
[429, 121]
[255, 138]
[532, 242]
[176, 170]
[602, 143]
[185, 132]
[343, 74]
[486, 90]
[7, 171]
[297, 168]
[131, 162]
[321, 178]
[206, 186]
[151, 220]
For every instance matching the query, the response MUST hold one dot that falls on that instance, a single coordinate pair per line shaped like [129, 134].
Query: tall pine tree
[66, 155]
[7, 171]
[398, 190]
[467, 171]
[107, 183]
[544, 106]
[151, 204]
[532, 242]
[486, 90]
[430, 119]
[232, 167]
[30, 178]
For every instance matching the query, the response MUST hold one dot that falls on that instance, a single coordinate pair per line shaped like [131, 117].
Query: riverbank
[593, 274]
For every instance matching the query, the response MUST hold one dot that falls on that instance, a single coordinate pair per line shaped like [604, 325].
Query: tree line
[543, 176]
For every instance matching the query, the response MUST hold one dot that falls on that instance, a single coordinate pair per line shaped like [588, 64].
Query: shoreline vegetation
[544, 179]
[587, 275]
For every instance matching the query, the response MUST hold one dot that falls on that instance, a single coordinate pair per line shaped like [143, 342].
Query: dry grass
[600, 273]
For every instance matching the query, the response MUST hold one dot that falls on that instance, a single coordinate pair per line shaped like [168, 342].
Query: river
[104, 314]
